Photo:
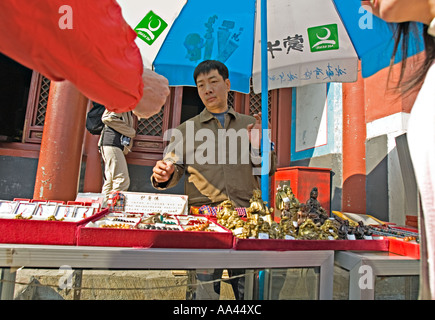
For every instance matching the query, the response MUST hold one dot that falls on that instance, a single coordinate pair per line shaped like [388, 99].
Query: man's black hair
[207, 66]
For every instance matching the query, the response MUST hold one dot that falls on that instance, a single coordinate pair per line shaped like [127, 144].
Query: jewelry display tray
[140, 238]
[34, 231]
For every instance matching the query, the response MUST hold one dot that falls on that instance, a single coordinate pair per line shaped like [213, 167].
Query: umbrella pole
[264, 106]
[265, 146]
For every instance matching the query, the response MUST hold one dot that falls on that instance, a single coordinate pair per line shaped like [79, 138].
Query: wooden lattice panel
[231, 99]
[42, 102]
[255, 103]
[36, 109]
[151, 126]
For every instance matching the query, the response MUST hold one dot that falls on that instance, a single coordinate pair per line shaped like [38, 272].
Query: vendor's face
[401, 10]
[213, 91]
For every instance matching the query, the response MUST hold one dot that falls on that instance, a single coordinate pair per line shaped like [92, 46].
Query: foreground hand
[432, 7]
[401, 11]
[155, 93]
[163, 170]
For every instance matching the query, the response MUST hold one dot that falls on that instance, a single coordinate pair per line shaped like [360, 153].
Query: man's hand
[163, 170]
[155, 93]
[254, 131]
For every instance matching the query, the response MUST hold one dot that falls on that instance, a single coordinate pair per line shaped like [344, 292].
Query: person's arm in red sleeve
[86, 42]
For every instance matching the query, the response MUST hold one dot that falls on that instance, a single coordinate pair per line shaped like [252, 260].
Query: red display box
[301, 180]
[294, 245]
[22, 231]
[107, 237]
[405, 248]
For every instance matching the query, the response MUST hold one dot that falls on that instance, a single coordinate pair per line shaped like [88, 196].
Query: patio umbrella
[372, 37]
[152, 21]
[276, 43]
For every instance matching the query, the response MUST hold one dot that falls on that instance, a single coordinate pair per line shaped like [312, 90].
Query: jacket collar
[206, 115]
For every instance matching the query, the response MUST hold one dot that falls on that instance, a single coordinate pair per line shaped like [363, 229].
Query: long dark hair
[402, 33]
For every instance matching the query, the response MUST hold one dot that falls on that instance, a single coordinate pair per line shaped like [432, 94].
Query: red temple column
[58, 171]
[93, 180]
[354, 152]
[282, 134]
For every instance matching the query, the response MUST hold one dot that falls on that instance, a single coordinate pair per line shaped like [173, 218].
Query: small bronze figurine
[302, 214]
[343, 230]
[308, 230]
[315, 210]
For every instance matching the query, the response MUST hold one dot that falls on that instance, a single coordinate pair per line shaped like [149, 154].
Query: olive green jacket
[219, 164]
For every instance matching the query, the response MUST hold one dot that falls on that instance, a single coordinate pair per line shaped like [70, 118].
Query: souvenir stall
[160, 231]
[144, 231]
[154, 231]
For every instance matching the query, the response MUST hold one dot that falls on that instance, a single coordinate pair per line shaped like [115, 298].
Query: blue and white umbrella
[276, 43]
[372, 37]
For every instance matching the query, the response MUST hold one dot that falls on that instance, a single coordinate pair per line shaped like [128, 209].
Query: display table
[83, 257]
[365, 267]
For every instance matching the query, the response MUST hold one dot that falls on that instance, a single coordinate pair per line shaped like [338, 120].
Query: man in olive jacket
[219, 152]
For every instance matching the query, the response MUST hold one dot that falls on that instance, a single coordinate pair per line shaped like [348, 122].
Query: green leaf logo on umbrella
[323, 38]
[150, 27]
